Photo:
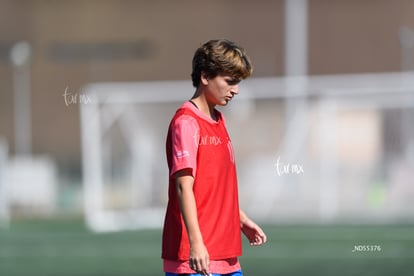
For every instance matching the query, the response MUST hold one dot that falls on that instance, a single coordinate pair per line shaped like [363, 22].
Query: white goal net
[308, 149]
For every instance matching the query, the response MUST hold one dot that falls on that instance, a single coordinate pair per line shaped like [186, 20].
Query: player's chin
[224, 102]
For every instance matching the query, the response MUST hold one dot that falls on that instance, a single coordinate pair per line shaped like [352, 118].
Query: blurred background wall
[74, 43]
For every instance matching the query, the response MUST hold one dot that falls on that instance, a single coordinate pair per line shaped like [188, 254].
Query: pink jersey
[201, 144]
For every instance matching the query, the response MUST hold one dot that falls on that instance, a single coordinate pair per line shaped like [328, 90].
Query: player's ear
[204, 78]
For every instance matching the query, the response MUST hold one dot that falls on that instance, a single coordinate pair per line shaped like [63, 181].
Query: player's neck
[203, 105]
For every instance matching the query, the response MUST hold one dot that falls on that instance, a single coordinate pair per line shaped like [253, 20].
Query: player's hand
[253, 233]
[199, 258]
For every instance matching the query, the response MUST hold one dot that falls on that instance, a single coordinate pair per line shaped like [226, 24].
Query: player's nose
[234, 89]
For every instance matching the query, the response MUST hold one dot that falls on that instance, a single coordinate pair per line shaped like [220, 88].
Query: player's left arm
[251, 230]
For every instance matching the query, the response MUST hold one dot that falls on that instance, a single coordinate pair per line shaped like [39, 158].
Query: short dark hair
[220, 57]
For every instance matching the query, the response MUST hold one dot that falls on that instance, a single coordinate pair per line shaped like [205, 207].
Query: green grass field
[63, 247]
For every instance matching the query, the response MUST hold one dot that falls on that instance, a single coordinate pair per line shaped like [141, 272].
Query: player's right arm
[199, 258]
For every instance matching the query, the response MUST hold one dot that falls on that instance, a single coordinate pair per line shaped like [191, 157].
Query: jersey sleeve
[185, 137]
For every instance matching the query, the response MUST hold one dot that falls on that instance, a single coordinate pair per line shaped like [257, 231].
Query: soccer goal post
[4, 191]
[308, 149]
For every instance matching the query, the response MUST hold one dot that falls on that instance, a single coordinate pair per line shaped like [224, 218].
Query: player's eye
[232, 81]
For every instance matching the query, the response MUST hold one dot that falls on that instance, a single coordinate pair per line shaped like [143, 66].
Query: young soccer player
[203, 222]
